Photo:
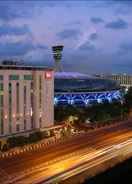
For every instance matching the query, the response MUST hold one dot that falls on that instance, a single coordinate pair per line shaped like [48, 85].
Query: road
[68, 158]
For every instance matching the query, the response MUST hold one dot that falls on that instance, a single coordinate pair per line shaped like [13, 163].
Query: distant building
[124, 79]
[26, 98]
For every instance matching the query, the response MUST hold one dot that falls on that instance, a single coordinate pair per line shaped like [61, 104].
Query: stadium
[79, 89]
[73, 88]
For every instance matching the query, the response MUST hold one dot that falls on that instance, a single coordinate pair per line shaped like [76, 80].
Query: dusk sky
[97, 35]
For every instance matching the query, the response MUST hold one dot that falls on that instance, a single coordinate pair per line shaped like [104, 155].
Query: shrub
[34, 137]
[17, 141]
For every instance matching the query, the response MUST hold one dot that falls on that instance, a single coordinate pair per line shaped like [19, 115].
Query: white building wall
[21, 109]
[46, 111]
[48, 101]
[6, 103]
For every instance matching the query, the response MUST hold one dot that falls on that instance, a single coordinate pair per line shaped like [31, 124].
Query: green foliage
[34, 137]
[63, 112]
[23, 140]
[16, 141]
[128, 99]
[4, 148]
[45, 134]
[98, 112]
[0, 145]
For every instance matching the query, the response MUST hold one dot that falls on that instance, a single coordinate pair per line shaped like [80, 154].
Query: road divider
[30, 148]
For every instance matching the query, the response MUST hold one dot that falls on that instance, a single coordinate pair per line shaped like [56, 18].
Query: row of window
[1, 87]
[17, 107]
[17, 77]
[18, 104]
[10, 128]
[1, 121]
[123, 79]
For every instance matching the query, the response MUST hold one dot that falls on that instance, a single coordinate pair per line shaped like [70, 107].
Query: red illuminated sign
[48, 75]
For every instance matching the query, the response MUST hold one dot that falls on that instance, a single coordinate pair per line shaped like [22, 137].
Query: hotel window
[32, 104]
[14, 77]
[40, 92]
[1, 101]
[40, 122]
[32, 122]
[1, 86]
[1, 121]
[31, 87]
[28, 77]
[40, 99]
[10, 107]
[17, 98]
[31, 94]
[25, 99]
[25, 124]
[1, 77]
[40, 82]
[1, 115]
[17, 127]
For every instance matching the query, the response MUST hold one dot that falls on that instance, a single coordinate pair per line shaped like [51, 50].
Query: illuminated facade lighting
[5, 116]
[13, 115]
[86, 98]
[21, 115]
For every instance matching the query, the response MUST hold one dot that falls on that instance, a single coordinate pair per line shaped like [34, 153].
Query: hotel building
[26, 99]
[123, 79]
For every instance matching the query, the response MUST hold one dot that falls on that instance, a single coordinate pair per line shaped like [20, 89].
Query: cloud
[126, 46]
[93, 36]
[96, 20]
[124, 7]
[6, 13]
[118, 24]
[15, 49]
[87, 46]
[13, 30]
[41, 46]
[10, 10]
[14, 38]
[77, 27]
[122, 1]
[69, 34]
[40, 56]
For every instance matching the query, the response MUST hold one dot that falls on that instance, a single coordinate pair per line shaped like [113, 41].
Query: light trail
[68, 159]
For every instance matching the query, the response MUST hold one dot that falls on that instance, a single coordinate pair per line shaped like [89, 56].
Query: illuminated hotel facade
[26, 99]
[124, 79]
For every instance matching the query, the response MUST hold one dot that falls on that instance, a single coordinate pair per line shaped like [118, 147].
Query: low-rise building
[124, 80]
[26, 99]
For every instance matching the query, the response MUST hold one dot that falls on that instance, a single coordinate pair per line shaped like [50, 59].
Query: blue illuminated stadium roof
[72, 75]
[77, 82]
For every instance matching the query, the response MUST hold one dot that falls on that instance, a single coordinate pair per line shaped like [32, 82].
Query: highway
[68, 158]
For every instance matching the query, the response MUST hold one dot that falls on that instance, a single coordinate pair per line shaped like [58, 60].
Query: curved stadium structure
[72, 88]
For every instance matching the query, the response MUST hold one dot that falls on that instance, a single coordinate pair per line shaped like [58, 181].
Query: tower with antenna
[57, 54]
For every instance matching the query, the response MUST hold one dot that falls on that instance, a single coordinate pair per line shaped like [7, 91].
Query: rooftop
[20, 67]
[72, 75]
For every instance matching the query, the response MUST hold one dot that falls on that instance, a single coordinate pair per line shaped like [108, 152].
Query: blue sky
[96, 34]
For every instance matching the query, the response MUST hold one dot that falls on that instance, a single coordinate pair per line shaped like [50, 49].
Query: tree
[128, 99]
[0, 145]
[16, 141]
[5, 147]
[34, 137]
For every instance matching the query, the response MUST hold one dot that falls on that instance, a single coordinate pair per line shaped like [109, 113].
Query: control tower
[57, 54]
